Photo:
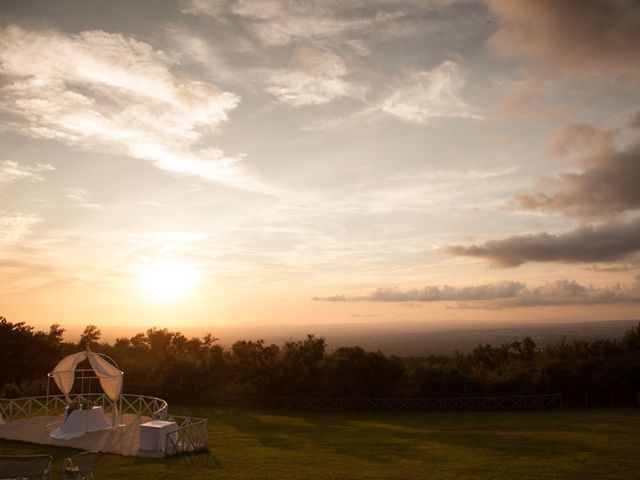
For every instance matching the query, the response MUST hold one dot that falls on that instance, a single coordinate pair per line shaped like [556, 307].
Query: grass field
[251, 444]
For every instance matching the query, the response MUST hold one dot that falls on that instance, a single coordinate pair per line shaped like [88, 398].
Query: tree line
[170, 365]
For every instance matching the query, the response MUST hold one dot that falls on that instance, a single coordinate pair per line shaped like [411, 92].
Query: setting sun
[167, 281]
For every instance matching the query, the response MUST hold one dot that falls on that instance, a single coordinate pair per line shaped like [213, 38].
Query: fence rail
[31, 406]
[513, 402]
[192, 436]
[153, 407]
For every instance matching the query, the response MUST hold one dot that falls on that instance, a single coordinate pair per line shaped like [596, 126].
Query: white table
[79, 422]
[153, 435]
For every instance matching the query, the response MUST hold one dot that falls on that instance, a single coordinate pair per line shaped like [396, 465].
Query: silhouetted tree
[90, 336]
[353, 372]
[302, 366]
[255, 367]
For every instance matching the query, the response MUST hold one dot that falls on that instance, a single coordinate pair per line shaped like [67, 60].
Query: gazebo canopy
[105, 368]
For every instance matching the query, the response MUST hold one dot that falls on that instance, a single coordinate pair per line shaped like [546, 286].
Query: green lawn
[250, 444]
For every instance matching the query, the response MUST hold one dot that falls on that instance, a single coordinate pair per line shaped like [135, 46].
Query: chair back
[85, 461]
[26, 466]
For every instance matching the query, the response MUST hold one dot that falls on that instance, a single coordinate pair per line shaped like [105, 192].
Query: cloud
[111, 92]
[277, 23]
[193, 50]
[607, 184]
[589, 36]
[317, 78]
[438, 294]
[14, 227]
[337, 23]
[81, 198]
[522, 102]
[342, 33]
[590, 244]
[507, 294]
[11, 171]
[583, 139]
[209, 8]
[431, 94]
[635, 120]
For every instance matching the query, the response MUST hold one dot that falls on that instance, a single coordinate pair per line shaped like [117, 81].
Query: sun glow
[167, 281]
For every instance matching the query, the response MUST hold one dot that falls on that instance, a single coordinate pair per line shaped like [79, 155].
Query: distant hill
[415, 339]
[405, 338]
[447, 341]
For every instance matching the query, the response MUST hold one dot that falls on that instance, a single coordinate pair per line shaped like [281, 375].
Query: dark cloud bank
[608, 186]
[608, 183]
[506, 294]
[588, 36]
[591, 244]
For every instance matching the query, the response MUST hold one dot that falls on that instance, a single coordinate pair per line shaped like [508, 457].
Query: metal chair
[80, 467]
[26, 466]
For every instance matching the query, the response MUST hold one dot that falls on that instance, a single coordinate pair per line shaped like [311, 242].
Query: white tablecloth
[153, 435]
[79, 422]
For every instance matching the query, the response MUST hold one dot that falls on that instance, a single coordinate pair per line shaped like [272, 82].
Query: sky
[191, 164]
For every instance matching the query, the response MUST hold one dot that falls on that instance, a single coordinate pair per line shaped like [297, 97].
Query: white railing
[31, 406]
[192, 435]
[153, 407]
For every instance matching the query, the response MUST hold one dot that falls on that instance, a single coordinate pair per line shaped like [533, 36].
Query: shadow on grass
[385, 437]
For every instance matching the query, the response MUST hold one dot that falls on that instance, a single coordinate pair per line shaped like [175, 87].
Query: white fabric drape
[111, 382]
[110, 376]
[64, 373]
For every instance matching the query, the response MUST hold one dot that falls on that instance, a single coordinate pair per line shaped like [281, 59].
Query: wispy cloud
[525, 100]
[423, 97]
[431, 94]
[337, 23]
[108, 91]
[279, 22]
[507, 294]
[15, 226]
[81, 198]
[589, 244]
[317, 77]
[11, 171]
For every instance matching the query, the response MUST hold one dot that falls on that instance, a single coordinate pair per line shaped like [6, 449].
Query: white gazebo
[103, 368]
[140, 426]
